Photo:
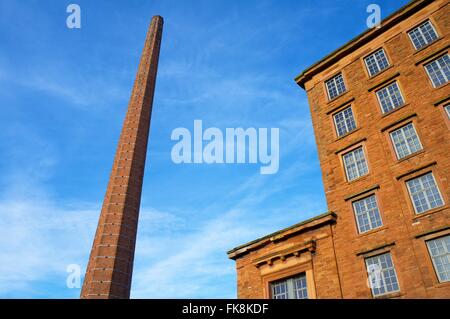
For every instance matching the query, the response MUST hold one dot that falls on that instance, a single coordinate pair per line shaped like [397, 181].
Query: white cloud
[192, 262]
[38, 241]
[40, 236]
[178, 255]
[174, 257]
[75, 90]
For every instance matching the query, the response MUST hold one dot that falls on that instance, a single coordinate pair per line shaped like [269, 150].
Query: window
[440, 254]
[335, 86]
[280, 290]
[390, 97]
[439, 70]
[293, 288]
[405, 141]
[447, 109]
[424, 193]
[367, 214]
[422, 35]
[382, 275]
[344, 121]
[355, 164]
[376, 62]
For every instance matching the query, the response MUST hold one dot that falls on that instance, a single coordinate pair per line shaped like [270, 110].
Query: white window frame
[421, 33]
[426, 198]
[279, 283]
[376, 62]
[354, 158]
[385, 87]
[291, 292]
[407, 145]
[447, 252]
[429, 75]
[367, 214]
[345, 122]
[382, 277]
[447, 110]
[333, 79]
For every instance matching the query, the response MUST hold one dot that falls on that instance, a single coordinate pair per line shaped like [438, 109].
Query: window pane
[367, 214]
[382, 275]
[390, 97]
[439, 70]
[424, 193]
[440, 254]
[355, 164]
[423, 35]
[292, 288]
[447, 109]
[335, 86]
[280, 290]
[405, 141]
[300, 289]
[344, 121]
[376, 62]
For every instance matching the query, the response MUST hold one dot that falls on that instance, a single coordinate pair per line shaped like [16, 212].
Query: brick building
[380, 107]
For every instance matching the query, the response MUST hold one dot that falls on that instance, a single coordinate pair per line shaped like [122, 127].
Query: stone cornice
[283, 254]
[365, 37]
[315, 222]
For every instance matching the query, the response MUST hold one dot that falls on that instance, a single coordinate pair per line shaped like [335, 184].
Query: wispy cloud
[39, 239]
[62, 83]
[228, 74]
[40, 235]
[196, 265]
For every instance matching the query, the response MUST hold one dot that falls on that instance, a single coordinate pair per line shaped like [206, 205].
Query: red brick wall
[338, 264]
[401, 225]
[253, 281]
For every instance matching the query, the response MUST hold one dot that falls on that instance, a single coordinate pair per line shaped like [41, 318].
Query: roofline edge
[242, 249]
[404, 12]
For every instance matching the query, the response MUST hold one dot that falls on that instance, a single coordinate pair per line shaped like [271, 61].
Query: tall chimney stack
[110, 267]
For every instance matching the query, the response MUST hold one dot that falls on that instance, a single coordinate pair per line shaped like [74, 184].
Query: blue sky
[63, 97]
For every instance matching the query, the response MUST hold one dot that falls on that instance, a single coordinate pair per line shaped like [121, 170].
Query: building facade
[380, 107]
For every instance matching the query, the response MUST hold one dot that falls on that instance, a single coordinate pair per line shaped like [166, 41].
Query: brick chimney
[110, 267]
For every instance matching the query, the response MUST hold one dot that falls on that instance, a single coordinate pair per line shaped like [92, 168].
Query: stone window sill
[357, 179]
[394, 110]
[441, 86]
[381, 72]
[427, 46]
[346, 134]
[442, 284]
[390, 295]
[430, 212]
[373, 231]
[411, 156]
[337, 97]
